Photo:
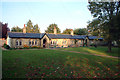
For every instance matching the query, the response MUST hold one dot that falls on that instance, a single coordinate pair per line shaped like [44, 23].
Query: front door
[86, 42]
[44, 43]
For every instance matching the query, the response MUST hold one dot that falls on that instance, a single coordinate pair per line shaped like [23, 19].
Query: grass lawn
[93, 50]
[45, 63]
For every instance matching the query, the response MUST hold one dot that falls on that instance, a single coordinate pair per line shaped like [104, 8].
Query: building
[3, 33]
[47, 40]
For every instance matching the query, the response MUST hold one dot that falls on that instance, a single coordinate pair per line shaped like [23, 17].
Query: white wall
[9, 41]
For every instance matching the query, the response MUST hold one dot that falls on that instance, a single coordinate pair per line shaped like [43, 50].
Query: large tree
[67, 31]
[50, 29]
[93, 28]
[104, 11]
[116, 21]
[32, 28]
[36, 29]
[16, 29]
[81, 31]
[29, 27]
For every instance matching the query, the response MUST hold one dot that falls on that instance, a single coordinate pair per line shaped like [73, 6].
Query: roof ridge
[25, 33]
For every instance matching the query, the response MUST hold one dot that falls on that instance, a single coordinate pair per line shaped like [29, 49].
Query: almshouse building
[47, 40]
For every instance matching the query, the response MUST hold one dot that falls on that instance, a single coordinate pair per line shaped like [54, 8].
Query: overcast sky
[65, 13]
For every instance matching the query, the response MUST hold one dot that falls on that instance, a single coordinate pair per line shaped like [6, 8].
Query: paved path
[88, 53]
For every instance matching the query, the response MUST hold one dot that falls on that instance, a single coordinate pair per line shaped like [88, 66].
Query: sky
[69, 14]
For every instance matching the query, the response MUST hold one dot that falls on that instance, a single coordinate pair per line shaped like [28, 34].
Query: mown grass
[0, 62]
[45, 63]
[92, 50]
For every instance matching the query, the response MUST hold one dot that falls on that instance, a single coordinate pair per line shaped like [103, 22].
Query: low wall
[2, 42]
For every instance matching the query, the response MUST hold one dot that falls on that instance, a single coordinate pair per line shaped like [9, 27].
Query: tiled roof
[51, 36]
[94, 37]
[63, 36]
[25, 35]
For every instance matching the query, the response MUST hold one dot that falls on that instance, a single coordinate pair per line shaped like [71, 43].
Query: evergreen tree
[50, 29]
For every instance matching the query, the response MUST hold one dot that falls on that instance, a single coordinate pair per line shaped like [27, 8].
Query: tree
[94, 28]
[81, 31]
[116, 36]
[36, 29]
[29, 27]
[67, 31]
[16, 29]
[50, 29]
[4, 30]
[105, 12]
[32, 29]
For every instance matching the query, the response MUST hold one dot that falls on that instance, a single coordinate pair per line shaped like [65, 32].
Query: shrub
[6, 46]
[34, 46]
[92, 44]
[54, 46]
[26, 46]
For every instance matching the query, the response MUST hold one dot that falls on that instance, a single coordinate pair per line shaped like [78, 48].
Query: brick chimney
[24, 29]
[39, 31]
[55, 30]
[72, 32]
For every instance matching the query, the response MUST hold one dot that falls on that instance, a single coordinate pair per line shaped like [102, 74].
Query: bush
[6, 46]
[34, 46]
[26, 46]
[92, 44]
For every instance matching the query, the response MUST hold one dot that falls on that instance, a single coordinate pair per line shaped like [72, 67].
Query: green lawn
[93, 50]
[45, 63]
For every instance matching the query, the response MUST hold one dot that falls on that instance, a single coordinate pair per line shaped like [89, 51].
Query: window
[32, 42]
[20, 42]
[63, 42]
[51, 42]
[35, 42]
[17, 42]
[72, 42]
[29, 42]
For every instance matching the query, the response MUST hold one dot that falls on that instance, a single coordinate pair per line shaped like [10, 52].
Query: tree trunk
[109, 45]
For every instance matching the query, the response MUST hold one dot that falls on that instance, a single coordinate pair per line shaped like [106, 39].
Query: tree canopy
[50, 29]
[36, 29]
[93, 28]
[16, 29]
[29, 27]
[81, 31]
[67, 31]
[105, 13]
[32, 28]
